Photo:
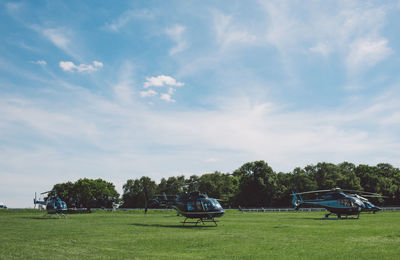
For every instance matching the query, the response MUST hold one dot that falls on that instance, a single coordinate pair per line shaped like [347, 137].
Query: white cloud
[365, 53]
[176, 34]
[148, 93]
[350, 29]
[40, 62]
[67, 65]
[58, 37]
[160, 81]
[167, 97]
[70, 66]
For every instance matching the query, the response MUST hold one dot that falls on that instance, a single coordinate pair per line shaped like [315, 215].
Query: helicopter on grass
[192, 205]
[53, 205]
[338, 201]
[2, 205]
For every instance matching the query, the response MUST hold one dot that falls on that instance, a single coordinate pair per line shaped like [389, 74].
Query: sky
[94, 89]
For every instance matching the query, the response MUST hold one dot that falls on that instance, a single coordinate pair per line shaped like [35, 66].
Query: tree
[257, 184]
[86, 193]
[349, 179]
[172, 186]
[218, 185]
[66, 192]
[136, 193]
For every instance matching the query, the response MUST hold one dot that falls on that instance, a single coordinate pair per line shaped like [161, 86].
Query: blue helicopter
[193, 205]
[53, 205]
[2, 205]
[338, 201]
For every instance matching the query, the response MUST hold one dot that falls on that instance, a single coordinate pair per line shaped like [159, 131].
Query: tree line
[254, 184]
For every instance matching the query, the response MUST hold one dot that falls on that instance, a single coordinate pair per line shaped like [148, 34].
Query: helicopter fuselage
[193, 205]
[337, 203]
[199, 208]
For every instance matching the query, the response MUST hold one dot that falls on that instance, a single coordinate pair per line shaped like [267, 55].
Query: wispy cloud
[123, 89]
[148, 93]
[126, 17]
[70, 66]
[39, 62]
[321, 48]
[59, 36]
[353, 31]
[62, 37]
[229, 33]
[176, 34]
[365, 53]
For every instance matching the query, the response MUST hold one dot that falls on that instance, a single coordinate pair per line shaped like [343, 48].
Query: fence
[304, 209]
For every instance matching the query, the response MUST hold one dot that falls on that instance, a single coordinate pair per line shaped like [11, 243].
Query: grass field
[25, 234]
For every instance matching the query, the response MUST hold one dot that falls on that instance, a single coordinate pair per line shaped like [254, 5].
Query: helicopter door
[199, 206]
[191, 206]
[346, 202]
[206, 205]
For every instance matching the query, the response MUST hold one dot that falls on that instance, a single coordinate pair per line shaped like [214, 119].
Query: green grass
[159, 235]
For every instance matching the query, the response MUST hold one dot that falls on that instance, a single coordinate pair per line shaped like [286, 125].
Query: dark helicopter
[338, 201]
[193, 205]
[53, 205]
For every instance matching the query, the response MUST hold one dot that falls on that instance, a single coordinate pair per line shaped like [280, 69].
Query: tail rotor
[297, 200]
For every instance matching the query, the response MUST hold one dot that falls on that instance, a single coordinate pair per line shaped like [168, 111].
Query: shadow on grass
[170, 226]
[45, 217]
[323, 218]
[40, 218]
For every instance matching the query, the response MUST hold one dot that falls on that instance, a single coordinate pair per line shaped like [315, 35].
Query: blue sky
[164, 88]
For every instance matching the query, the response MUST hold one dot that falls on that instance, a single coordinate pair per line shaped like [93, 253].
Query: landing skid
[200, 220]
[339, 216]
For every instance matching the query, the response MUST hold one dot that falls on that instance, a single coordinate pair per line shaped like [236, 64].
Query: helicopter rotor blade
[365, 193]
[309, 192]
[376, 196]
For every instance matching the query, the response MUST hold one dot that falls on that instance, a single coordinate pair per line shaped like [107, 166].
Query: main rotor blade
[375, 196]
[314, 191]
[362, 192]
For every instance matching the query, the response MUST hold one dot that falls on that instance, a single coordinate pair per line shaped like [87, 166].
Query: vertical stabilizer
[296, 201]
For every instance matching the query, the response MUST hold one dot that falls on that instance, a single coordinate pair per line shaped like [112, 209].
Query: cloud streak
[71, 67]
[176, 34]
[126, 17]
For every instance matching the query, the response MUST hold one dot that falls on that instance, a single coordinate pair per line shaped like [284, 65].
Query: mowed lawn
[25, 234]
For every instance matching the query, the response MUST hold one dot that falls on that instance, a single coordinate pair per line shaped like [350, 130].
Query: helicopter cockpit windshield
[211, 204]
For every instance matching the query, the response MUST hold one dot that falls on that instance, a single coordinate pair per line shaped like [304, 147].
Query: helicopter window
[211, 204]
[345, 202]
[216, 204]
[191, 206]
[199, 206]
